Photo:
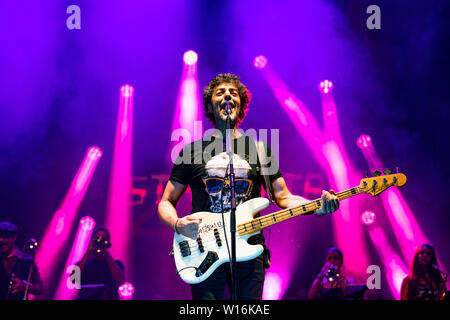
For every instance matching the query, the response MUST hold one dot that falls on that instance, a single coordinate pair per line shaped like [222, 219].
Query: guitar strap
[261, 152]
[263, 169]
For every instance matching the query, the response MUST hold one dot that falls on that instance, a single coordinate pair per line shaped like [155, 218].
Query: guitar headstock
[378, 184]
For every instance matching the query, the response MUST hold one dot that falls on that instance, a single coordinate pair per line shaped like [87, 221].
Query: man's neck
[222, 128]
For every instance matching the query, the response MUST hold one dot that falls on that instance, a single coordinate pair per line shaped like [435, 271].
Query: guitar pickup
[210, 258]
[200, 245]
[217, 236]
[184, 248]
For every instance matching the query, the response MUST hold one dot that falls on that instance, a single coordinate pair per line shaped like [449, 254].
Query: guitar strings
[266, 220]
[286, 213]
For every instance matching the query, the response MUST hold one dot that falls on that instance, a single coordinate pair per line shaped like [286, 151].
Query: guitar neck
[260, 223]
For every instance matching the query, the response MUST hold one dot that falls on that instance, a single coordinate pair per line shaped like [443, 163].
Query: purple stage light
[87, 223]
[79, 247]
[190, 57]
[118, 217]
[260, 62]
[328, 150]
[186, 123]
[273, 286]
[59, 228]
[126, 91]
[325, 86]
[368, 217]
[126, 291]
[364, 141]
[393, 265]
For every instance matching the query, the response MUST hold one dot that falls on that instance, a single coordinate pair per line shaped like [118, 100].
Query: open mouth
[223, 108]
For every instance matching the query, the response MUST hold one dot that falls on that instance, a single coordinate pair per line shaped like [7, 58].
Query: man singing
[204, 166]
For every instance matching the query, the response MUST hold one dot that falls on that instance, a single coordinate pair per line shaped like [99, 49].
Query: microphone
[228, 106]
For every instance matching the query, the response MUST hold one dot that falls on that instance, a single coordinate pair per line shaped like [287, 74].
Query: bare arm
[314, 291]
[166, 207]
[188, 226]
[285, 199]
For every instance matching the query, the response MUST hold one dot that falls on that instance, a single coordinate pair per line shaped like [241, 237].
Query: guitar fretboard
[260, 223]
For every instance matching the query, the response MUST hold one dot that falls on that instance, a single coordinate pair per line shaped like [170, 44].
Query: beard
[221, 116]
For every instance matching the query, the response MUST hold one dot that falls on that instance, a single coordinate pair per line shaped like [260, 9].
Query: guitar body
[196, 260]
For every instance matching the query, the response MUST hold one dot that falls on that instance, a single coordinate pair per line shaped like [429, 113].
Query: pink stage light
[118, 217]
[79, 247]
[186, 123]
[329, 152]
[87, 224]
[59, 229]
[407, 230]
[364, 141]
[260, 62]
[190, 57]
[368, 217]
[394, 267]
[274, 286]
[325, 86]
[126, 291]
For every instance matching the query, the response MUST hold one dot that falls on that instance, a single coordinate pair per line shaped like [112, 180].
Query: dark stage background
[59, 95]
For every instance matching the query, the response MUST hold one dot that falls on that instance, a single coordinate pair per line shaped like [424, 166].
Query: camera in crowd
[332, 273]
[101, 244]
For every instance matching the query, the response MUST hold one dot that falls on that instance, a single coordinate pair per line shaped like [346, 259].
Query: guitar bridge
[210, 258]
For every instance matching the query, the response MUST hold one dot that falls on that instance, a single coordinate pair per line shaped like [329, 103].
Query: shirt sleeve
[270, 163]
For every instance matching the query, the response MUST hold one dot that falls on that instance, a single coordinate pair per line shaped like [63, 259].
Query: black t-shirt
[204, 166]
[96, 272]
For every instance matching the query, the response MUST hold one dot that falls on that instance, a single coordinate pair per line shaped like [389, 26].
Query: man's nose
[227, 97]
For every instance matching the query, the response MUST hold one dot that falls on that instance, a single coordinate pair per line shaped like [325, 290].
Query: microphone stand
[229, 149]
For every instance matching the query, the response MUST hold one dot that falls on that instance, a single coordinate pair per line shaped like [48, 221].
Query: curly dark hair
[244, 94]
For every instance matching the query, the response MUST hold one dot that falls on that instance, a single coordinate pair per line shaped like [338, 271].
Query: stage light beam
[79, 247]
[126, 291]
[368, 217]
[118, 217]
[260, 62]
[186, 123]
[325, 86]
[59, 228]
[190, 57]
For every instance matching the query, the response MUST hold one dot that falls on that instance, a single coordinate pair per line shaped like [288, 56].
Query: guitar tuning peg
[376, 173]
[387, 171]
[367, 175]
